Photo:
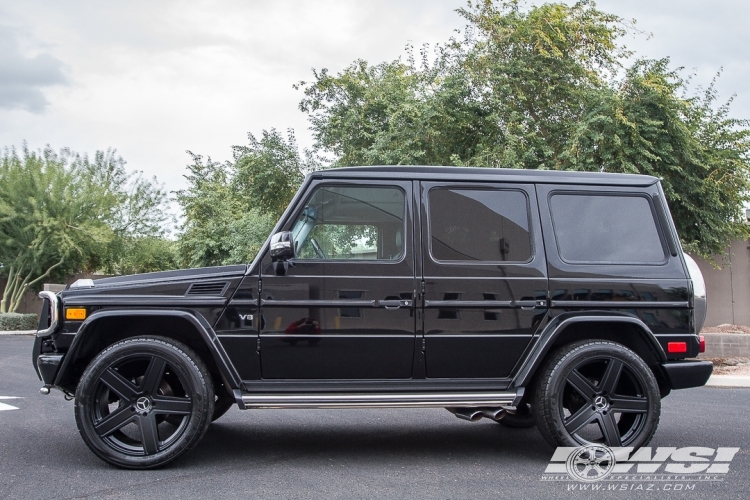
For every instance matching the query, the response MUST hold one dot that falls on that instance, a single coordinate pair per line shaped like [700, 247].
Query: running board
[247, 401]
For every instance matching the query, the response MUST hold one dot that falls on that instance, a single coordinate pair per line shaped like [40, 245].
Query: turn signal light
[703, 343]
[676, 346]
[77, 314]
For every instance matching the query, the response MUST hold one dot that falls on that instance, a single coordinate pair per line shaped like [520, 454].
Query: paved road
[280, 454]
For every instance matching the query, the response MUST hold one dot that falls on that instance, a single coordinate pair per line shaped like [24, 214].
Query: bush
[15, 321]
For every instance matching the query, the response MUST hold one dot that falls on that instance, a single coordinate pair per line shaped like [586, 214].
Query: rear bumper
[686, 374]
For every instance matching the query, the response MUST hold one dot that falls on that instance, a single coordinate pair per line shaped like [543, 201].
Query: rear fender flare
[557, 326]
[202, 327]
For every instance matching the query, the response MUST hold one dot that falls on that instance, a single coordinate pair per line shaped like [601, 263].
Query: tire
[143, 402]
[523, 418]
[222, 404]
[596, 392]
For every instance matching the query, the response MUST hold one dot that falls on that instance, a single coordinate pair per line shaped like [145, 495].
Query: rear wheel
[143, 402]
[596, 392]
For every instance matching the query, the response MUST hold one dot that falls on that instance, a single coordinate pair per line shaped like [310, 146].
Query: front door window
[346, 222]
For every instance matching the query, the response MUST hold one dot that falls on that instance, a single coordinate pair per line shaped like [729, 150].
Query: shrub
[15, 321]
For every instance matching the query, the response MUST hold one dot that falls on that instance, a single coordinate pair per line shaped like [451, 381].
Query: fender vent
[207, 288]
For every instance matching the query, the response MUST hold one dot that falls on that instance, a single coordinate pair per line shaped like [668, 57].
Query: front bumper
[47, 366]
[686, 374]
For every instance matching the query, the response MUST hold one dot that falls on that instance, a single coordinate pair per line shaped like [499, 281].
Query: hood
[162, 277]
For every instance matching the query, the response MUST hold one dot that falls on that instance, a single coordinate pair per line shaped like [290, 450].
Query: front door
[485, 277]
[344, 309]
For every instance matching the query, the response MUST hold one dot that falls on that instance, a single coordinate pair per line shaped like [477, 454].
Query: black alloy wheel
[143, 402]
[596, 392]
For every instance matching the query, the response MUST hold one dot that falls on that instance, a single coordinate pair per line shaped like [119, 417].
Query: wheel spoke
[166, 405]
[119, 384]
[149, 433]
[611, 376]
[629, 404]
[114, 421]
[609, 429]
[154, 374]
[582, 385]
[582, 417]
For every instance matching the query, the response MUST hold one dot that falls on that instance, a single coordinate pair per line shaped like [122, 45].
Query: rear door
[484, 277]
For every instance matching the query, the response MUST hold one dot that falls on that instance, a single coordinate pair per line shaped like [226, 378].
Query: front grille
[216, 288]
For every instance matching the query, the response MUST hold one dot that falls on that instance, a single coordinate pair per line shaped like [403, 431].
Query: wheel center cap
[143, 404]
[601, 403]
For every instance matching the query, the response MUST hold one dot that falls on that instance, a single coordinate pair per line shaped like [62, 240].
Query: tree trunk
[5, 302]
[17, 287]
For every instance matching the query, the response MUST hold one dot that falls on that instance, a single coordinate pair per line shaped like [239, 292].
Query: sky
[154, 79]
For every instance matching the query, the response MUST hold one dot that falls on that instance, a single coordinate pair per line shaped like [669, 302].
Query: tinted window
[343, 222]
[605, 229]
[479, 224]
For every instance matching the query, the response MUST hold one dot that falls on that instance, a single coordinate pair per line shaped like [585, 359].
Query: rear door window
[489, 225]
[606, 229]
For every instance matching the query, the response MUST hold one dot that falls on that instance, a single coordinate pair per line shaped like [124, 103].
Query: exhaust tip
[475, 414]
[470, 414]
[44, 390]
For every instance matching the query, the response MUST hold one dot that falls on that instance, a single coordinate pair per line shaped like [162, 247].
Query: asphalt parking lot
[280, 454]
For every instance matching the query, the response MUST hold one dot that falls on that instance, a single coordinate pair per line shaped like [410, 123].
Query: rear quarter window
[606, 229]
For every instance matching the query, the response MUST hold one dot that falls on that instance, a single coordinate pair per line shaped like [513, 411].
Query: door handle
[530, 304]
[394, 304]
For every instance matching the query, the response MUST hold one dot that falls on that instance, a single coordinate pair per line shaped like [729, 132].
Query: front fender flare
[219, 355]
[558, 324]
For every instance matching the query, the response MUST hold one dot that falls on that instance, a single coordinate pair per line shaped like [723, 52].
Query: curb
[19, 332]
[728, 381]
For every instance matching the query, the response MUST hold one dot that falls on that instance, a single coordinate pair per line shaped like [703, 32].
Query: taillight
[703, 343]
[676, 347]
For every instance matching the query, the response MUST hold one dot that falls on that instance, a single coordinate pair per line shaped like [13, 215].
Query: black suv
[556, 299]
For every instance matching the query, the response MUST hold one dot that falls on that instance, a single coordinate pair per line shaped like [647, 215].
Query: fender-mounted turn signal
[75, 314]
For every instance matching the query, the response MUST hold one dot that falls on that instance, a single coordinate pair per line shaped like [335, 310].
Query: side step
[401, 400]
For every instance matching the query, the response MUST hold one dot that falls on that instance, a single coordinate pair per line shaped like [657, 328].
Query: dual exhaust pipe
[476, 414]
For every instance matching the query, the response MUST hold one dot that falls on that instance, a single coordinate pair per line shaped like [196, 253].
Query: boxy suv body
[556, 299]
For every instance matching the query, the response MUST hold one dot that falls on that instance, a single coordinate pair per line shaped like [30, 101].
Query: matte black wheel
[596, 392]
[222, 404]
[143, 402]
[522, 418]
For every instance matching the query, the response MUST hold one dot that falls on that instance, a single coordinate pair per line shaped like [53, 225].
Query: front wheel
[143, 402]
[596, 392]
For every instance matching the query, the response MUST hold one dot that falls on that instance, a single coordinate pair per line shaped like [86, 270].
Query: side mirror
[282, 246]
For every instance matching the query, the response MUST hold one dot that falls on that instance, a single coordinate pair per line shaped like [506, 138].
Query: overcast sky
[155, 78]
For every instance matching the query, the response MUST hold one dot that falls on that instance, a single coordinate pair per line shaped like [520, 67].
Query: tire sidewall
[181, 359]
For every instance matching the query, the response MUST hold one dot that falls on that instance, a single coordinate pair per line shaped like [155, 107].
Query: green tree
[544, 88]
[63, 212]
[230, 208]
[142, 254]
